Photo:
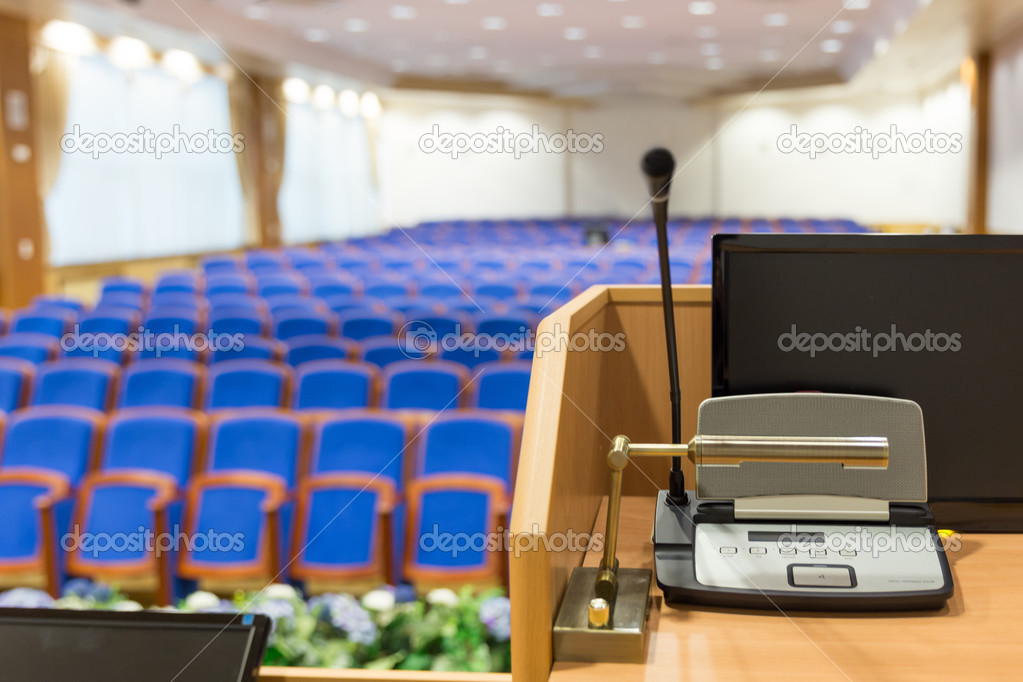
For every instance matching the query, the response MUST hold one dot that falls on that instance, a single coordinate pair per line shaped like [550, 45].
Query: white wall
[1005, 154]
[726, 153]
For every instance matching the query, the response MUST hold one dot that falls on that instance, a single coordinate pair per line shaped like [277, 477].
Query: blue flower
[343, 612]
[404, 593]
[85, 589]
[495, 614]
[25, 598]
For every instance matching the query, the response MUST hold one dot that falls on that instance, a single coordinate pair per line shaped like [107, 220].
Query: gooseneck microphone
[658, 166]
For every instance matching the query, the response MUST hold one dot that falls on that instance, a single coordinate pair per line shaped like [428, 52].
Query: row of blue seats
[314, 385]
[335, 492]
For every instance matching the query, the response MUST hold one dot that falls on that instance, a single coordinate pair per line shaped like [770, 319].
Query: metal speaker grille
[816, 414]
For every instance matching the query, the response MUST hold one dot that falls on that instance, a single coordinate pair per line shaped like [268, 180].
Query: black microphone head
[659, 166]
[658, 162]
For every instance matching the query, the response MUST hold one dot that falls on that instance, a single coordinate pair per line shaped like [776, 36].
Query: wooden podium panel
[578, 401]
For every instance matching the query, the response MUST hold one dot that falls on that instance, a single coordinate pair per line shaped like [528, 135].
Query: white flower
[279, 591]
[127, 605]
[442, 597]
[378, 600]
[202, 600]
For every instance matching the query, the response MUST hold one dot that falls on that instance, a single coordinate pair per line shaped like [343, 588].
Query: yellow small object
[945, 533]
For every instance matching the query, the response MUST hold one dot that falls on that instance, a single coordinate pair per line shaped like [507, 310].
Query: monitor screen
[931, 318]
[46, 645]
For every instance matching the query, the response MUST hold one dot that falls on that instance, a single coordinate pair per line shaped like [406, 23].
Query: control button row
[787, 551]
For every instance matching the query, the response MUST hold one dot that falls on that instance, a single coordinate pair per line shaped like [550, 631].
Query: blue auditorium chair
[264, 261]
[442, 289]
[288, 324]
[403, 266]
[164, 382]
[501, 291]
[85, 382]
[122, 299]
[509, 326]
[180, 281]
[35, 506]
[162, 440]
[57, 301]
[386, 288]
[479, 352]
[215, 265]
[177, 299]
[333, 384]
[229, 300]
[113, 324]
[404, 304]
[384, 350]
[244, 506]
[118, 504]
[229, 283]
[292, 302]
[238, 319]
[478, 443]
[342, 303]
[276, 283]
[248, 347]
[15, 383]
[265, 440]
[318, 347]
[247, 383]
[358, 324]
[30, 346]
[169, 331]
[308, 261]
[367, 442]
[501, 386]
[55, 322]
[61, 439]
[412, 384]
[327, 284]
[452, 506]
[131, 285]
[328, 546]
[446, 324]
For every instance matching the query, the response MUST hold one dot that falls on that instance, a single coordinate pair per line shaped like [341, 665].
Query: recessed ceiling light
[707, 32]
[770, 55]
[369, 105]
[296, 90]
[478, 52]
[494, 24]
[316, 35]
[710, 49]
[657, 58]
[257, 13]
[593, 52]
[856, 4]
[356, 25]
[323, 97]
[881, 46]
[348, 103]
[715, 63]
[68, 37]
[633, 22]
[129, 53]
[831, 46]
[403, 12]
[575, 33]
[183, 65]
[702, 8]
[550, 9]
[776, 19]
[842, 27]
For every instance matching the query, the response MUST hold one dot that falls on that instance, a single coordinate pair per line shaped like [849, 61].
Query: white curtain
[328, 191]
[130, 205]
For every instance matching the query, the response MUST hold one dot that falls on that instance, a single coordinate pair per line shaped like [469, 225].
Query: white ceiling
[656, 47]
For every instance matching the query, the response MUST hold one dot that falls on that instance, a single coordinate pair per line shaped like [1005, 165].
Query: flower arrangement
[388, 628]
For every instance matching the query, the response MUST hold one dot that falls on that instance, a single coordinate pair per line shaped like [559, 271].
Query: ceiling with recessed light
[570, 48]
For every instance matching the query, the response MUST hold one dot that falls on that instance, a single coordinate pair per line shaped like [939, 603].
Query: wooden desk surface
[977, 636]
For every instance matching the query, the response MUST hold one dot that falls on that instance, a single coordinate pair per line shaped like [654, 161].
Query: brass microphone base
[623, 639]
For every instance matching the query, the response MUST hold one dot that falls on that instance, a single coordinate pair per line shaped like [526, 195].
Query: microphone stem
[676, 481]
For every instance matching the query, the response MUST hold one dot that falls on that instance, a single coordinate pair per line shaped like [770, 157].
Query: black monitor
[52, 645]
[933, 318]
